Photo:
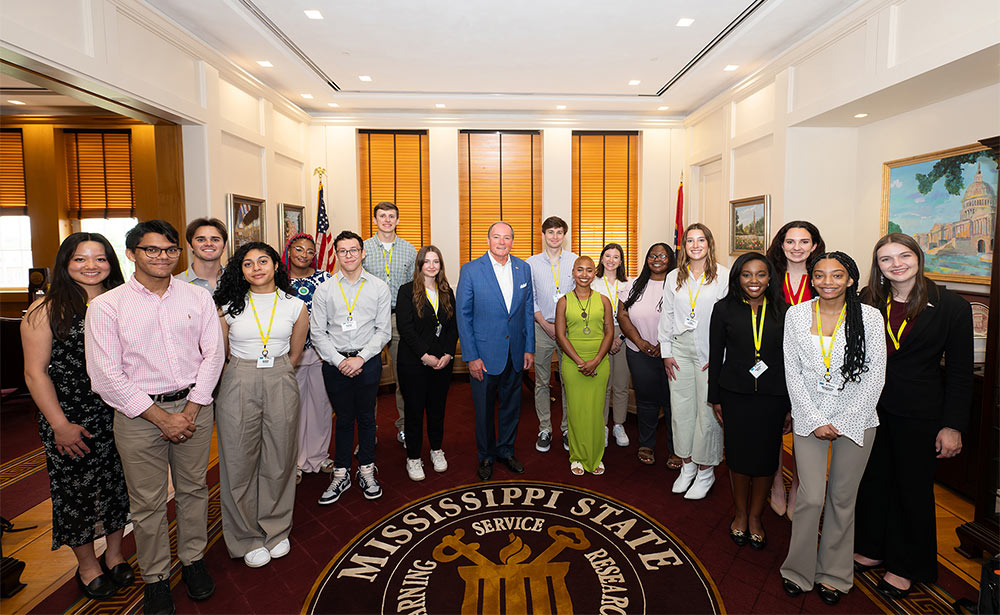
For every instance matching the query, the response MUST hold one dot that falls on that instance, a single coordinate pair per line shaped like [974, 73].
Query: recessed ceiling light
[860, 115]
[663, 108]
[307, 96]
[439, 105]
[634, 82]
[731, 67]
[364, 77]
[332, 104]
[265, 63]
[560, 107]
[684, 22]
[15, 102]
[313, 14]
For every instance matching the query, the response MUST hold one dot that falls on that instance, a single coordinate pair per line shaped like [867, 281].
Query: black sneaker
[544, 441]
[200, 585]
[156, 599]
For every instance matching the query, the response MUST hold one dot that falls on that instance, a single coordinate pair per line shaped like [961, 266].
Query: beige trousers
[618, 384]
[544, 347]
[696, 432]
[832, 563]
[147, 458]
[257, 415]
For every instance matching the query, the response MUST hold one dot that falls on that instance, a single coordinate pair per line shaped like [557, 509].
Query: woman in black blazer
[425, 317]
[923, 411]
[746, 387]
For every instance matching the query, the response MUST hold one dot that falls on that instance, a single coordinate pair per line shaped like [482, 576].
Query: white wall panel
[919, 26]
[705, 138]
[239, 107]
[839, 64]
[287, 132]
[753, 169]
[754, 111]
[242, 163]
[164, 69]
[286, 181]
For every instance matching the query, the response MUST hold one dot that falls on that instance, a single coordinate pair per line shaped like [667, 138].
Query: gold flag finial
[319, 171]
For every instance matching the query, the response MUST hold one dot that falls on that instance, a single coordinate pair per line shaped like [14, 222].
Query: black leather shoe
[758, 542]
[859, 567]
[156, 599]
[513, 464]
[122, 575]
[100, 588]
[200, 585]
[891, 591]
[485, 471]
[827, 594]
[791, 589]
[738, 536]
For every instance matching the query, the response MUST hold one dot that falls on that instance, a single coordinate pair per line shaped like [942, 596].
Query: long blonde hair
[419, 290]
[682, 256]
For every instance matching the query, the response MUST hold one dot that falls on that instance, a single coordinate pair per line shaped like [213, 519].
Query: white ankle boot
[702, 483]
[688, 470]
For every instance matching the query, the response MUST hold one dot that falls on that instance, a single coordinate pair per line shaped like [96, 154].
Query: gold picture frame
[749, 224]
[245, 220]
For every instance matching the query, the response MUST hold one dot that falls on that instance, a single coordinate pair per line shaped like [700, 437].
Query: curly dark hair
[639, 284]
[231, 293]
[854, 324]
[737, 295]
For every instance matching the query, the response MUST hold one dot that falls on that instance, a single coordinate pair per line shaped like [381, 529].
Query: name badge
[556, 297]
[759, 368]
[690, 322]
[265, 362]
[348, 325]
[827, 388]
[437, 332]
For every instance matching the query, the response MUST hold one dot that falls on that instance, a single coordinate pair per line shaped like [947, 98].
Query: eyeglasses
[153, 251]
[659, 257]
[307, 252]
[349, 251]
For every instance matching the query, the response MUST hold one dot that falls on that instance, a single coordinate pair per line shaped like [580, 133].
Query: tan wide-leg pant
[146, 458]
[832, 563]
[257, 415]
[618, 384]
[544, 347]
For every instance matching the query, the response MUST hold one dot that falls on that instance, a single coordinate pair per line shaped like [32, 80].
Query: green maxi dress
[585, 394]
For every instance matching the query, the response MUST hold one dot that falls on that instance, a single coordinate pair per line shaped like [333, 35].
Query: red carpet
[747, 581]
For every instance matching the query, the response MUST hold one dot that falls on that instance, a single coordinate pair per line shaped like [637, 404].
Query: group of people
[131, 375]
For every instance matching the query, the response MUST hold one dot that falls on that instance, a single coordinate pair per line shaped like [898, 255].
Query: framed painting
[292, 219]
[749, 224]
[947, 201]
[245, 218]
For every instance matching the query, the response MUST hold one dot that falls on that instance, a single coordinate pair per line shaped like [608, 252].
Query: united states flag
[325, 254]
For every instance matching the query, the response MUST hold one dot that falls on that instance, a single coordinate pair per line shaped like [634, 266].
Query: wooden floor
[47, 570]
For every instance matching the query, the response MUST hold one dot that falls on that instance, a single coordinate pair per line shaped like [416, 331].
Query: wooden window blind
[13, 199]
[605, 193]
[499, 178]
[99, 172]
[395, 167]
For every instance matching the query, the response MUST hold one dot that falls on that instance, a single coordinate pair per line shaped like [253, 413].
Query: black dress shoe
[859, 567]
[122, 574]
[485, 471]
[758, 542]
[100, 588]
[157, 600]
[891, 591]
[791, 589]
[513, 464]
[827, 594]
[200, 585]
[738, 536]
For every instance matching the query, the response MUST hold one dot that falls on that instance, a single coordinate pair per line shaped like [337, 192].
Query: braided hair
[854, 325]
[233, 286]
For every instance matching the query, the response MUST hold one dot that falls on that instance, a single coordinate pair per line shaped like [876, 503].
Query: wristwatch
[621, 336]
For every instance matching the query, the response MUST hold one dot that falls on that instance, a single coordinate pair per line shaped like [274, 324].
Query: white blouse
[244, 336]
[607, 287]
[852, 410]
[677, 308]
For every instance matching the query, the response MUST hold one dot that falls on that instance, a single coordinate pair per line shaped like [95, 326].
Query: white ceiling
[521, 55]
[38, 100]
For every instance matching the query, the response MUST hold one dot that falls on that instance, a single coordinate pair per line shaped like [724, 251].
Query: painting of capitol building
[949, 205]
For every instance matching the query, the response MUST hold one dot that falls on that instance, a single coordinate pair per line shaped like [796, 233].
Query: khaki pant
[257, 412]
[834, 497]
[618, 384]
[147, 458]
[544, 347]
[696, 432]
[393, 355]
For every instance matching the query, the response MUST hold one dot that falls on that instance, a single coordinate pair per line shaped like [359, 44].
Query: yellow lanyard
[350, 307]
[694, 299]
[899, 334]
[614, 297]
[388, 262]
[555, 270]
[827, 356]
[434, 301]
[274, 308]
[795, 297]
[758, 334]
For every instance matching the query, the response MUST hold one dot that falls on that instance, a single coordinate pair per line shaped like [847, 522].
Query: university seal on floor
[515, 547]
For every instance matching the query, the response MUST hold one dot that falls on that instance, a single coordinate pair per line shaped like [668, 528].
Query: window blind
[13, 199]
[99, 173]
[395, 167]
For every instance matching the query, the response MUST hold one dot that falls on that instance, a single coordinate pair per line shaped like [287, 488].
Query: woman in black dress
[89, 497]
[428, 332]
[747, 389]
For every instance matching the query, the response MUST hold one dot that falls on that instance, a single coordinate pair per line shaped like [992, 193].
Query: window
[99, 170]
[499, 178]
[395, 167]
[13, 200]
[15, 226]
[605, 193]
[114, 229]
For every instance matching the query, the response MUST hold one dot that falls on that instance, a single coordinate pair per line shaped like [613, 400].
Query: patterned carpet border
[20, 468]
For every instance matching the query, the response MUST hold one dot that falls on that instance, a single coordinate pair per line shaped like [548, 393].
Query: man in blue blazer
[496, 324]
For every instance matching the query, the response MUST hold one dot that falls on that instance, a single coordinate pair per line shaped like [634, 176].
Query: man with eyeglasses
[154, 352]
[349, 325]
[207, 239]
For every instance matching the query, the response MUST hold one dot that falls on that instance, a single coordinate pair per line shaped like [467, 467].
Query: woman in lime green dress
[584, 328]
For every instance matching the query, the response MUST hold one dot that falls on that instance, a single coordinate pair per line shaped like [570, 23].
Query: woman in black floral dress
[89, 497]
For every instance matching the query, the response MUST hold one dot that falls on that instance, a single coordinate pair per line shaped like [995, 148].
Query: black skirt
[752, 425]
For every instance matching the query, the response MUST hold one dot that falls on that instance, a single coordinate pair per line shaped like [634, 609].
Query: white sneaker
[281, 549]
[415, 469]
[340, 483]
[702, 483]
[401, 438]
[257, 558]
[326, 465]
[605, 436]
[688, 470]
[298, 475]
[368, 483]
[621, 438]
[438, 461]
